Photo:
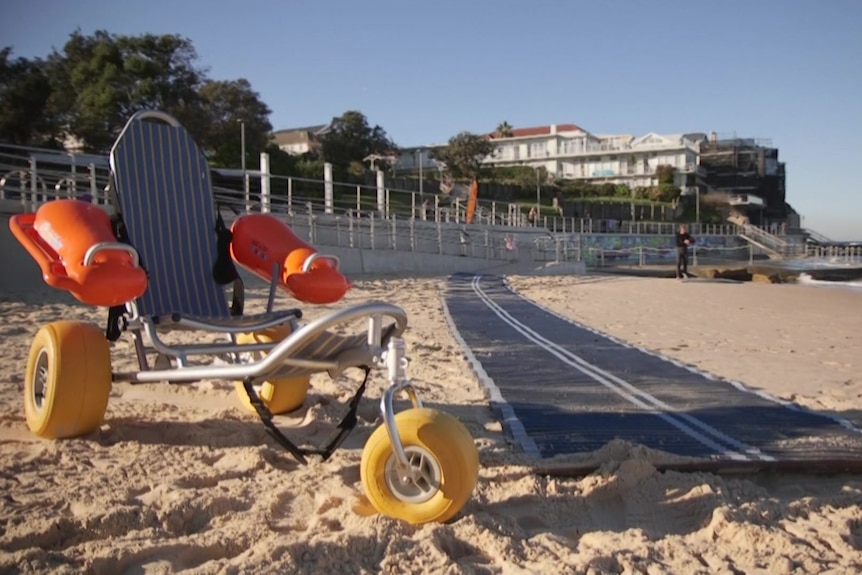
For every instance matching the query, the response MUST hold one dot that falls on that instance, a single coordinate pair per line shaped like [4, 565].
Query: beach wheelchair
[162, 262]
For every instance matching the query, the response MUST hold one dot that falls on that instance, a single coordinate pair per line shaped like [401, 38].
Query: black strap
[117, 313]
[342, 430]
[224, 270]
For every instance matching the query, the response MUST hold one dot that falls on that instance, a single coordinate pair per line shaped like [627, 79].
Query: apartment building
[569, 152]
[572, 153]
[749, 171]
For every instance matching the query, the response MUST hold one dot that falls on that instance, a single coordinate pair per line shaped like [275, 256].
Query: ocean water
[822, 263]
[805, 279]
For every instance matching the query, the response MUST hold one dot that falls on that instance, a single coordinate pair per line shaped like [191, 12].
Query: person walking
[683, 240]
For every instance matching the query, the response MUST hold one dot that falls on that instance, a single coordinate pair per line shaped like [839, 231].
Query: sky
[785, 70]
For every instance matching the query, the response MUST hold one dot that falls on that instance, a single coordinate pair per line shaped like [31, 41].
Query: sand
[180, 479]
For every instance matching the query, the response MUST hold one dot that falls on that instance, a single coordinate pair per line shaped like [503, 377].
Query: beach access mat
[563, 388]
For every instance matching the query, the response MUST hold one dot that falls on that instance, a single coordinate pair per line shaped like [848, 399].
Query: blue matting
[562, 388]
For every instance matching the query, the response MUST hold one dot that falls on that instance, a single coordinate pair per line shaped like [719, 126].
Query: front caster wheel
[444, 463]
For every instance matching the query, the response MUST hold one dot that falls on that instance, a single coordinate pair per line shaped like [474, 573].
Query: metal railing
[641, 256]
[817, 237]
[837, 253]
[359, 215]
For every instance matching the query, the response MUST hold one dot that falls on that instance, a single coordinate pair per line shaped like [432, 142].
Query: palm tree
[504, 130]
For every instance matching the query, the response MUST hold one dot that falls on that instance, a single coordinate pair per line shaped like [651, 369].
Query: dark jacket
[680, 241]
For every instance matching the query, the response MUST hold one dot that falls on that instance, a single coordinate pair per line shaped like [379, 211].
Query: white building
[570, 152]
[298, 141]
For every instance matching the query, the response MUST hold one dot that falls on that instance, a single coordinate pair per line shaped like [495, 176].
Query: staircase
[774, 246]
[817, 238]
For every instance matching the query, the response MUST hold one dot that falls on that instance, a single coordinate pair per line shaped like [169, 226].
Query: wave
[821, 263]
[805, 279]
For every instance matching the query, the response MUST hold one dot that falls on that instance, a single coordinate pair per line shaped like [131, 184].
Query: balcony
[692, 169]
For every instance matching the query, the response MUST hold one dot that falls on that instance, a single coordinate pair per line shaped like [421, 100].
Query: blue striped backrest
[163, 188]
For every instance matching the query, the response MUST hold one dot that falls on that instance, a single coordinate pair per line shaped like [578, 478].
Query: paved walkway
[561, 388]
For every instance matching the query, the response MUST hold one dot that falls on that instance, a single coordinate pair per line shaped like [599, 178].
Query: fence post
[371, 228]
[264, 183]
[380, 193]
[34, 185]
[358, 201]
[311, 235]
[412, 234]
[94, 187]
[73, 187]
[327, 188]
[350, 239]
[394, 234]
[289, 195]
[493, 213]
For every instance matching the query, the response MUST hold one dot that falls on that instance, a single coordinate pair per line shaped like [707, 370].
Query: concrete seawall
[19, 273]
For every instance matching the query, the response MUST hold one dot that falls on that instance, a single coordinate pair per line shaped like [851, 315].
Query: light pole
[421, 192]
[245, 185]
[538, 193]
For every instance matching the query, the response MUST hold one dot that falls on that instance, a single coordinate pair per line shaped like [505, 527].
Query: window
[508, 153]
[538, 150]
[571, 146]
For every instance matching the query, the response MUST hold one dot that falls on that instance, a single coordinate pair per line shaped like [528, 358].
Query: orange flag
[471, 202]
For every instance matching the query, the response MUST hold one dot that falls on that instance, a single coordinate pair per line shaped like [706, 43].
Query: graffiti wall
[657, 249]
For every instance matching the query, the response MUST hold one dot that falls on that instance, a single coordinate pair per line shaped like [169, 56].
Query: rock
[766, 278]
[740, 274]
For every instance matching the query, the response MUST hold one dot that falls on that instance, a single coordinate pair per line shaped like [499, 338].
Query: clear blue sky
[789, 70]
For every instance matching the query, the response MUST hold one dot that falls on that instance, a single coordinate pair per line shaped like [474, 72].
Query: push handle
[306, 265]
[111, 246]
[156, 115]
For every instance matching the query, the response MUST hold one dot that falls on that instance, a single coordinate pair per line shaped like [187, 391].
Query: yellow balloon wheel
[279, 395]
[68, 380]
[444, 463]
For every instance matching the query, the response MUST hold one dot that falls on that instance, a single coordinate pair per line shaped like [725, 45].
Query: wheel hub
[419, 482]
[40, 383]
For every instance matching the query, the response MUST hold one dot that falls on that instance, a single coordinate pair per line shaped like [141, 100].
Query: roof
[316, 130]
[538, 131]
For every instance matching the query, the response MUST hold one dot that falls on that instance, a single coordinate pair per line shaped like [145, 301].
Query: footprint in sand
[288, 513]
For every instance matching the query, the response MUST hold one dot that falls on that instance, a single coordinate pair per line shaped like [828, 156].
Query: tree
[280, 162]
[351, 139]
[464, 154]
[228, 107]
[99, 81]
[665, 174]
[24, 94]
[504, 130]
